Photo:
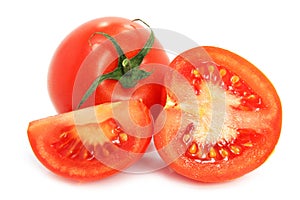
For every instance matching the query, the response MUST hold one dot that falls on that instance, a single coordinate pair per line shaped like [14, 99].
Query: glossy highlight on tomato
[67, 81]
[233, 126]
[92, 143]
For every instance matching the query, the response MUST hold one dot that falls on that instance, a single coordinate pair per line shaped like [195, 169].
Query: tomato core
[211, 82]
[90, 143]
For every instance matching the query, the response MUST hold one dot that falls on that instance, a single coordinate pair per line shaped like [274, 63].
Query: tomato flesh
[238, 121]
[84, 148]
[69, 145]
[248, 101]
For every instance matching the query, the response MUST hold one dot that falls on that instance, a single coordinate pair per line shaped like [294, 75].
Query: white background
[264, 32]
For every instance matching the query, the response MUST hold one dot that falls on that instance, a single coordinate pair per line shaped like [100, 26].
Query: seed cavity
[85, 142]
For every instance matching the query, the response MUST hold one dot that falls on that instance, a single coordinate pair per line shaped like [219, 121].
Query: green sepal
[112, 75]
[127, 71]
[132, 77]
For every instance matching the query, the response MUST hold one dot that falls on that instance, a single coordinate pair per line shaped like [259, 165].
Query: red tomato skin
[75, 48]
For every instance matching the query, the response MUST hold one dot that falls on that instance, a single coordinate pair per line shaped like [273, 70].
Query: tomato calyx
[127, 72]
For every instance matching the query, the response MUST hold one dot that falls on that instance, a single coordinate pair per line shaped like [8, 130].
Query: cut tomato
[231, 126]
[94, 142]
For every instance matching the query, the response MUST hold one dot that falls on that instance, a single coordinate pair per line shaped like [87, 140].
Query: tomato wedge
[229, 125]
[92, 143]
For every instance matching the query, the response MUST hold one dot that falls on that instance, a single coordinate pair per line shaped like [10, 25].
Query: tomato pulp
[67, 81]
[230, 128]
[92, 143]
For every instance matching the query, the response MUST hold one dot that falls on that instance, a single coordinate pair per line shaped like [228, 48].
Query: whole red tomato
[73, 69]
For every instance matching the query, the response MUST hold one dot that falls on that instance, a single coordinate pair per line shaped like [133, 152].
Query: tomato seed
[248, 144]
[211, 68]
[235, 149]
[212, 153]
[251, 96]
[234, 79]
[86, 154]
[66, 144]
[63, 135]
[224, 153]
[117, 130]
[196, 73]
[123, 137]
[193, 148]
[77, 151]
[222, 72]
[73, 148]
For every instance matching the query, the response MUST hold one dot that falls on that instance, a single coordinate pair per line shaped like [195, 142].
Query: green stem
[127, 71]
[112, 75]
[138, 59]
[116, 45]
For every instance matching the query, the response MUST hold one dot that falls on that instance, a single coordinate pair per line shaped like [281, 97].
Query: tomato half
[92, 143]
[232, 125]
[66, 85]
